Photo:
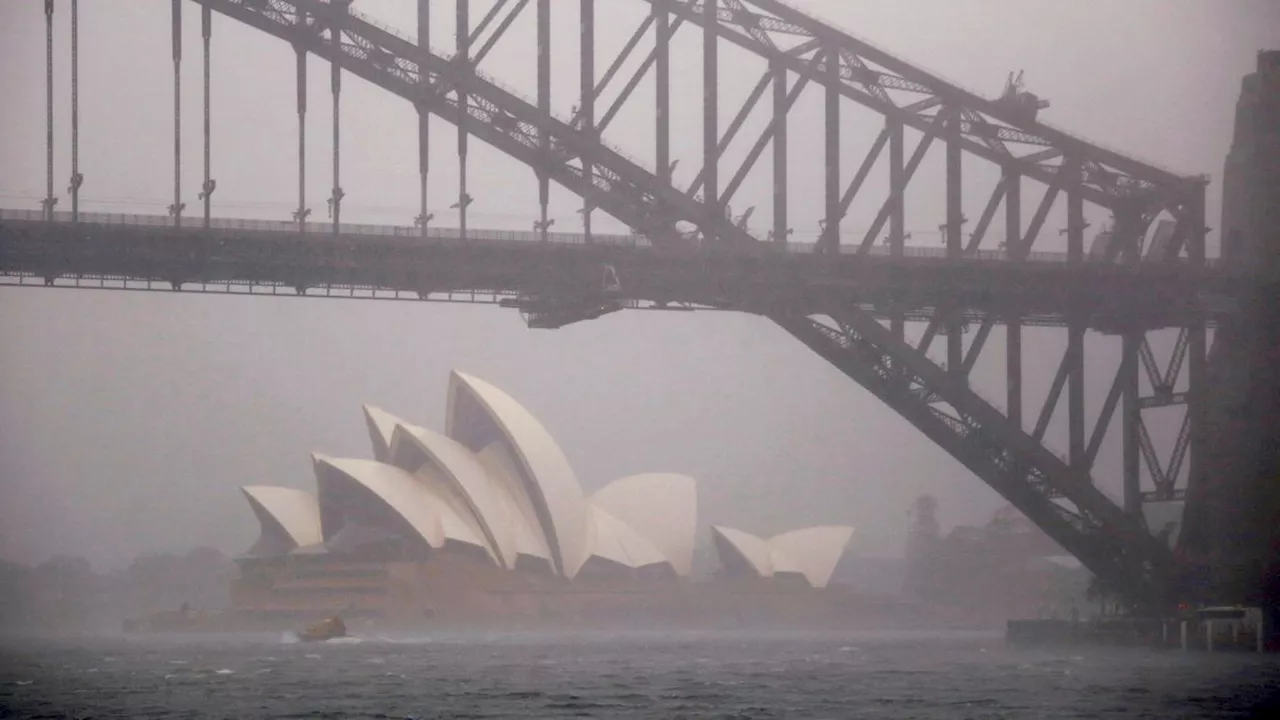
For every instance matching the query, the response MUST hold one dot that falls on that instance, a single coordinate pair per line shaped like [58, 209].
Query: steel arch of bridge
[1059, 494]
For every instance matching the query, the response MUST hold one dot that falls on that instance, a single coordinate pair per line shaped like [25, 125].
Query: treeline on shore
[64, 594]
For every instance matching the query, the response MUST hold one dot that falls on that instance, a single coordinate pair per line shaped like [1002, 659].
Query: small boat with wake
[327, 629]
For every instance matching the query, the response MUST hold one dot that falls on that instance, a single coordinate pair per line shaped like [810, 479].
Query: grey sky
[127, 420]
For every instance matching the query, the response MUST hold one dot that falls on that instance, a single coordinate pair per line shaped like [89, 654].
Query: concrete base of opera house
[285, 593]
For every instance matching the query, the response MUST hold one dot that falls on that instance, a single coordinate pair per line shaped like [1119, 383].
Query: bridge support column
[544, 104]
[49, 200]
[711, 107]
[300, 215]
[897, 210]
[176, 208]
[1076, 324]
[1013, 369]
[335, 199]
[954, 240]
[206, 189]
[76, 179]
[831, 236]
[780, 107]
[464, 56]
[1132, 410]
[1013, 321]
[587, 81]
[1075, 392]
[662, 91]
[335, 87]
[1075, 211]
[424, 117]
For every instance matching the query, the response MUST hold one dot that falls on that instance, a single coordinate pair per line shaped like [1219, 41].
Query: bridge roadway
[498, 266]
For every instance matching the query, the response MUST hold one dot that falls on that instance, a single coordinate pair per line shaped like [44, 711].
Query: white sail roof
[660, 507]
[612, 540]
[557, 497]
[381, 425]
[482, 493]
[520, 530]
[811, 553]
[495, 480]
[422, 507]
[289, 518]
[740, 549]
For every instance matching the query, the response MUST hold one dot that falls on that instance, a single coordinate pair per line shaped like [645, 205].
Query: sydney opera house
[488, 520]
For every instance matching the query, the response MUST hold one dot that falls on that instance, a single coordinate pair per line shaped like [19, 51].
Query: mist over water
[739, 674]
[127, 421]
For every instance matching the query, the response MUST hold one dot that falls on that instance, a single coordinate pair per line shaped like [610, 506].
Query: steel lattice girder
[496, 115]
[765, 27]
[875, 78]
[1115, 546]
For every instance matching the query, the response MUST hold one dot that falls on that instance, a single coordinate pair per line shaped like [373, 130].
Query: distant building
[488, 518]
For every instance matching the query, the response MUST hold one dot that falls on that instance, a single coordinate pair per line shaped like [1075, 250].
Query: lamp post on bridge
[944, 228]
[422, 220]
[464, 201]
[542, 226]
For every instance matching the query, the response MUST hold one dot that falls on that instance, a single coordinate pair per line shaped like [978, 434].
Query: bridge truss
[849, 301]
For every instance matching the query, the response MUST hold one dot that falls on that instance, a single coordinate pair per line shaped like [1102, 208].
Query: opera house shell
[809, 555]
[486, 516]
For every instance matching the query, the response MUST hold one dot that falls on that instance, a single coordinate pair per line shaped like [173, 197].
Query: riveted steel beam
[775, 133]
[711, 107]
[501, 29]
[1112, 544]
[907, 173]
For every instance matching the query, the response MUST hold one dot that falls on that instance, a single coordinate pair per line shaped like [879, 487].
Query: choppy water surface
[729, 675]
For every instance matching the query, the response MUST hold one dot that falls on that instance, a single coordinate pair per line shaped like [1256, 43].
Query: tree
[1100, 592]
[923, 541]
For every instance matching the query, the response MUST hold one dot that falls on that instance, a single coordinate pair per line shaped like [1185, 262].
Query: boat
[327, 629]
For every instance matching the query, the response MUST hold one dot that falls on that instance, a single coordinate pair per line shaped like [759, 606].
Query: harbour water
[623, 675]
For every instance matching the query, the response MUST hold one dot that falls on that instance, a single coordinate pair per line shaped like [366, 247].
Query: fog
[128, 420]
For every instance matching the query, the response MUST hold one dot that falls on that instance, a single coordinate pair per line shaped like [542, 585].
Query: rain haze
[218, 498]
[128, 420]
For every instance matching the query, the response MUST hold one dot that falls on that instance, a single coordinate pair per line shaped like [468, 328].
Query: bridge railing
[326, 229]
[482, 235]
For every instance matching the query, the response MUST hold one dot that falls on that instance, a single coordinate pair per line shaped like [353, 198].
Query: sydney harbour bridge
[849, 296]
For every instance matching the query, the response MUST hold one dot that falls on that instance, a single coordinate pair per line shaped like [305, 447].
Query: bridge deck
[256, 256]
